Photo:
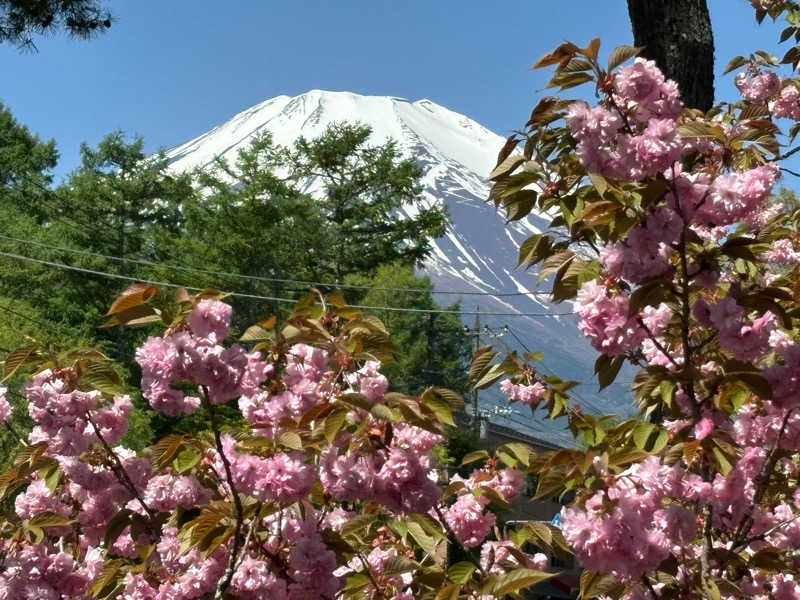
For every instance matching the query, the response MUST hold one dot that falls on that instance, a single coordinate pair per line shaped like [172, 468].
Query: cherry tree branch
[119, 469]
[452, 535]
[225, 580]
[762, 480]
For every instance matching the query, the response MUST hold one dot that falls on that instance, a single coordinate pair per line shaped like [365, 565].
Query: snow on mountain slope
[478, 254]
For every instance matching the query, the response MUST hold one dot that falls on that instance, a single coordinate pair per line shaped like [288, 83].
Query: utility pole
[475, 417]
[475, 333]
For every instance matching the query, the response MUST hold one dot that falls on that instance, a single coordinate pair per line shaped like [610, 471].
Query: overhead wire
[297, 282]
[99, 273]
[24, 316]
[550, 371]
[77, 224]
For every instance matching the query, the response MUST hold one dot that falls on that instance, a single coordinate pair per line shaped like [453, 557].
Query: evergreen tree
[26, 163]
[434, 348]
[115, 203]
[20, 20]
[364, 190]
[247, 220]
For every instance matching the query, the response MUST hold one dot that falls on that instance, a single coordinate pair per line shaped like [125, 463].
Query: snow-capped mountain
[479, 252]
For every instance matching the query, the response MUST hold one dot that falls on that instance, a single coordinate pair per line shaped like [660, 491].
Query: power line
[270, 298]
[573, 392]
[521, 343]
[26, 317]
[267, 279]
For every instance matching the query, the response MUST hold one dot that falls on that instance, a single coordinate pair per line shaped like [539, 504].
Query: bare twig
[225, 580]
[119, 470]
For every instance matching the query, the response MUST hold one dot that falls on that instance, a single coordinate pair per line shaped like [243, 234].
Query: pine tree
[364, 191]
[434, 351]
[20, 20]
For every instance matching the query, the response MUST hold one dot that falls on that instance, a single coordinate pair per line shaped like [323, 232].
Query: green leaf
[357, 523]
[550, 482]
[333, 423]
[449, 592]
[480, 361]
[18, 357]
[454, 399]
[647, 294]
[607, 369]
[133, 315]
[357, 582]
[735, 63]
[754, 382]
[713, 590]
[599, 584]
[106, 581]
[255, 333]
[165, 450]
[565, 81]
[50, 519]
[642, 433]
[439, 406]
[461, 572]
[521, 451]
[518, 579]
[425, 541]
[507, 166]
[289, 439]
[474, 456]
[186, 460]
[724, 464]
[397, 565]
[102, 377]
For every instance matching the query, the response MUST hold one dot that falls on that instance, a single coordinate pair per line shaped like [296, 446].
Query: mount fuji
[475, 260]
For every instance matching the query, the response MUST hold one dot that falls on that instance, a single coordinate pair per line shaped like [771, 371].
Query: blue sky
[172, 70]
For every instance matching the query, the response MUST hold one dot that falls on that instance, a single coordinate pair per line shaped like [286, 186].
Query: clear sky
[171, 70]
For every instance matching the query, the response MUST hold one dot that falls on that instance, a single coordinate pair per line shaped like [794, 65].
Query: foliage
[20, 20]
[678, 263]
[432, 347]
[371, 200]
[324, 491]
[249, 220]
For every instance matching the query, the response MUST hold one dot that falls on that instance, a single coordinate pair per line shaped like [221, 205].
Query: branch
[685, 306]
[739, 541]
[789, 171]
[370, 575]
[248, 537]
[119, 470]
[705, 569]
[225, 580]
[787, 155]
[451, 534]
[655, 341]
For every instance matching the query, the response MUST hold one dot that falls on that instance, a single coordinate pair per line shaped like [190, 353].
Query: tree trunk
[677, 35]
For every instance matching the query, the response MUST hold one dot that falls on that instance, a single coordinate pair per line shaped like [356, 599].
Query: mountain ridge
[479, 251]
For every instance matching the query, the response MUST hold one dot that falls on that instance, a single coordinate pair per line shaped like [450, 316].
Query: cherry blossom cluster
[526, 394]
[5, 407]
[637, 137]
[197, 358]
[606, 320]
[680, 294]
[101, 502]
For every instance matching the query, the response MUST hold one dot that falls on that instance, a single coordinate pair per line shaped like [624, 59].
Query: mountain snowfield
[477, 256]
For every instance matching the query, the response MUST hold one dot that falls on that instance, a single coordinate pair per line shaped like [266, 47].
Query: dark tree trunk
[677, 35]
